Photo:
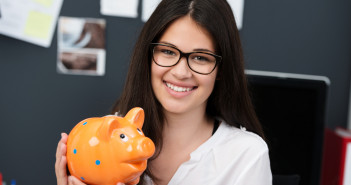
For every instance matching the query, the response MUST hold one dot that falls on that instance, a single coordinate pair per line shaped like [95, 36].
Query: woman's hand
[61, 163]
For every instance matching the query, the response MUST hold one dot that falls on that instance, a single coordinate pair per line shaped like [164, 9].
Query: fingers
[120, 183]
[60, 151]
[61, 171]
[61, 161]
[63, 140]
[74, 181]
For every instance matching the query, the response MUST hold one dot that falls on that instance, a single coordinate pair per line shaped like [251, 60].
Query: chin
[175, 109]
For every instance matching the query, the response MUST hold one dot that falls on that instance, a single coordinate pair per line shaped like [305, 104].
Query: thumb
[74, 181]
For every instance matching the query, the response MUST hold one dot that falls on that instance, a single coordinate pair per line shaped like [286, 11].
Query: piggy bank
[111, 149]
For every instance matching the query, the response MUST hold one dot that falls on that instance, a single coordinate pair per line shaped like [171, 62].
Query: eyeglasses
[200, 62]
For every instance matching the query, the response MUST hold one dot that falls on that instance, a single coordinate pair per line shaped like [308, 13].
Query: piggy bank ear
[109, 124]
[136, 116]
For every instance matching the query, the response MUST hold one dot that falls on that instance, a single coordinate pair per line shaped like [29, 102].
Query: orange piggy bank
[111, 149]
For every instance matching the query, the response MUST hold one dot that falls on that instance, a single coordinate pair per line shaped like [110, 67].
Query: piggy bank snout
[145, 147]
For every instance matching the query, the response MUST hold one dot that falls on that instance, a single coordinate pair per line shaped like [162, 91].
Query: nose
[181, 70]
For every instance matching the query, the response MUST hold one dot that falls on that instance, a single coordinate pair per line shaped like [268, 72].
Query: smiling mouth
[178, 88]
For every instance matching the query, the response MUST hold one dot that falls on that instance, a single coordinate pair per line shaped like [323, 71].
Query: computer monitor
[291, 109]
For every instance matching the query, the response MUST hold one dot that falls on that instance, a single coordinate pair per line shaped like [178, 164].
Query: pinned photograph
[81, 46]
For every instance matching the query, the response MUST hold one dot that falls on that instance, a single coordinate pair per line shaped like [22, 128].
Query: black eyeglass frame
[186, 55]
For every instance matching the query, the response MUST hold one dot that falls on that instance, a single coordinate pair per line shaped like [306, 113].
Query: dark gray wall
[307, 37]
[37, 104]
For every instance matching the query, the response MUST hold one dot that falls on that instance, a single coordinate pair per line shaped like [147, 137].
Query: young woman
[187, 73]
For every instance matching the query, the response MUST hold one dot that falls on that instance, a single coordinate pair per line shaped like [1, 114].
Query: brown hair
[230, 98]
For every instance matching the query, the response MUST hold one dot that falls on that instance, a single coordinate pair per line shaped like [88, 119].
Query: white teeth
[178, 89]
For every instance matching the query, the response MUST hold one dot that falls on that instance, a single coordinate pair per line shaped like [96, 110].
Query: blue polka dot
[74, 151]
[85, 123]
[82, 178]
[97, 162]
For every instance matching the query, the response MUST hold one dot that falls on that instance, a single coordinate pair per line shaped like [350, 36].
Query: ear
[109, 124]
[136, 116]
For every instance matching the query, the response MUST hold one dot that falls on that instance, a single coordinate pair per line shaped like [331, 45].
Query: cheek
[212, 79]
[210, 82]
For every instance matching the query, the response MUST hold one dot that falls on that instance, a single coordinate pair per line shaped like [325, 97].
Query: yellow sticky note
[46, 3]
[38, 25]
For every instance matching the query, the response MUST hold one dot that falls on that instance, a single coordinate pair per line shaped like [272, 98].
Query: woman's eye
[139, 131]
[168, 52]
[123, 137]
[201, 58]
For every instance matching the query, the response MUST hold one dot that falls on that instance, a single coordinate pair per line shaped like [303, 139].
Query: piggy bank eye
[139, 131]
[123, 137]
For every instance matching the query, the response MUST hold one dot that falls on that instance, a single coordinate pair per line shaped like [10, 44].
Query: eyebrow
[197, 49]
[202, 49]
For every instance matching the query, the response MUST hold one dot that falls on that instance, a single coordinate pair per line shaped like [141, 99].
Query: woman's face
[178, 88]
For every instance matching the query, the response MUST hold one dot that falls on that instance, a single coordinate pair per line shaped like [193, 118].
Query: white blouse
[231, 156]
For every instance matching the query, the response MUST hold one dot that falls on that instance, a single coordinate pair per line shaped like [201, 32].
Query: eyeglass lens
[199, 62]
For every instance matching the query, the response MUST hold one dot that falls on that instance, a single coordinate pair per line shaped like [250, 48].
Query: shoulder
[233, 138]
[241, 155]
[238, 147]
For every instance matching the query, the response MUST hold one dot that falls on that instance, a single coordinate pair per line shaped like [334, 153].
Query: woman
[187, 73]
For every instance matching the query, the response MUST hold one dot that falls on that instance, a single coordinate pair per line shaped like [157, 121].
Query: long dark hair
[230, 98]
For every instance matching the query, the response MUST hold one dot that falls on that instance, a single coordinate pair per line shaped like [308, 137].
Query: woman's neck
[190, 127]
[182, 134]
